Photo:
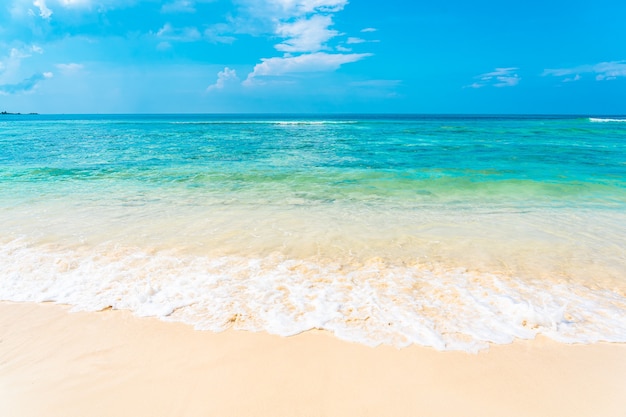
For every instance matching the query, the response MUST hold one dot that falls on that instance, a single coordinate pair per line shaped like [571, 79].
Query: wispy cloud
[353, 40]
[366, 30]
[70, 68]
[46, 13]
[214, 34]
[572, 79]
[292, 7]
[315, 62]
[500, 77]
[219, 33]
[187, 34]
[603, 71]
[223, 77]
[377, 83]
[75, 3]
[179, 6]
[25, 85]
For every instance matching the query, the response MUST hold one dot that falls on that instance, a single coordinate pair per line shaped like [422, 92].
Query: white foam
[265, 122]
[606, 120]
[371, 302]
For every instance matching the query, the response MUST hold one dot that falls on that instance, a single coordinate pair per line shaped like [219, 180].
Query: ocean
[452, 232]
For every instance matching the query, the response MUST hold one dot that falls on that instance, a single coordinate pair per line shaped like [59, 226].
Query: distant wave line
[268, 122]
[606, 120]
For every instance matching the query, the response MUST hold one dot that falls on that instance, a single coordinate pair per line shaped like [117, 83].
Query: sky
[313, 56]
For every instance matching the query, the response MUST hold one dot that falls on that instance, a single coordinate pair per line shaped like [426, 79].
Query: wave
[266, 122]
[606, 120]
[371, 302]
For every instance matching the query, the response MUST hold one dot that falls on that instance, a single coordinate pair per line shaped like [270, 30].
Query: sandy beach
[57, 363]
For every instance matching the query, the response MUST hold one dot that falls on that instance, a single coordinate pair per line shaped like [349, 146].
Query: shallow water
[450, 232]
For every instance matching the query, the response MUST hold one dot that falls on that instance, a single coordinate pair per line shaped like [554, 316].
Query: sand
[56, 363]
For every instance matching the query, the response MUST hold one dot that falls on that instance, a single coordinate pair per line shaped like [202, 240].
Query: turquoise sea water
[444, 231]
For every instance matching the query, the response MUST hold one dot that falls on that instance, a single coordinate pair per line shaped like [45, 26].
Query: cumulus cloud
[603, 71]
[223, 77]
[44, 11]
[305, 27]
[314, 62]
[500, 77]
[10, 65]
[25, 85]
[306, 34]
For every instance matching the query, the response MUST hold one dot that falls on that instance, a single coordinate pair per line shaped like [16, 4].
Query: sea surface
[446, 231]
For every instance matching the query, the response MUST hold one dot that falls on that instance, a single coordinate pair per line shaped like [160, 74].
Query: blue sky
[214, 56]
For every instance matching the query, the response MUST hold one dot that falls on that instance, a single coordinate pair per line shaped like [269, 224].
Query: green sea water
[446, 231]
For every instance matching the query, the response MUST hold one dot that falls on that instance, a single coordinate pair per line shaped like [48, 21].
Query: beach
[364, 265]
[55, 363]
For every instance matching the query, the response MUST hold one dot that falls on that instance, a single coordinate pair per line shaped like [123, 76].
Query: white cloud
[302, 7]
[75, 3]
[216, 34]
[223, 77]
[98, 4]
[70, 68]
[314, 62]
[18, 54]
[179, 6]
[306, 35]
[500, 77]
[187, 34]
[10, 65]
[24, 86]
[352, 41]
[305, 29]
[304, 25]
[12, 77]
[21, 9]
[377, 83]
[366, 30]
[44, 11]
[164, 46]
[572, 79]
[603, 71]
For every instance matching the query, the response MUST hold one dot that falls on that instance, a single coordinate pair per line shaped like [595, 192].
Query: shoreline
[56, 363]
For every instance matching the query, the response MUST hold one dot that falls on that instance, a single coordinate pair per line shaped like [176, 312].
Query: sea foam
[606, 120]
[372, 302]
